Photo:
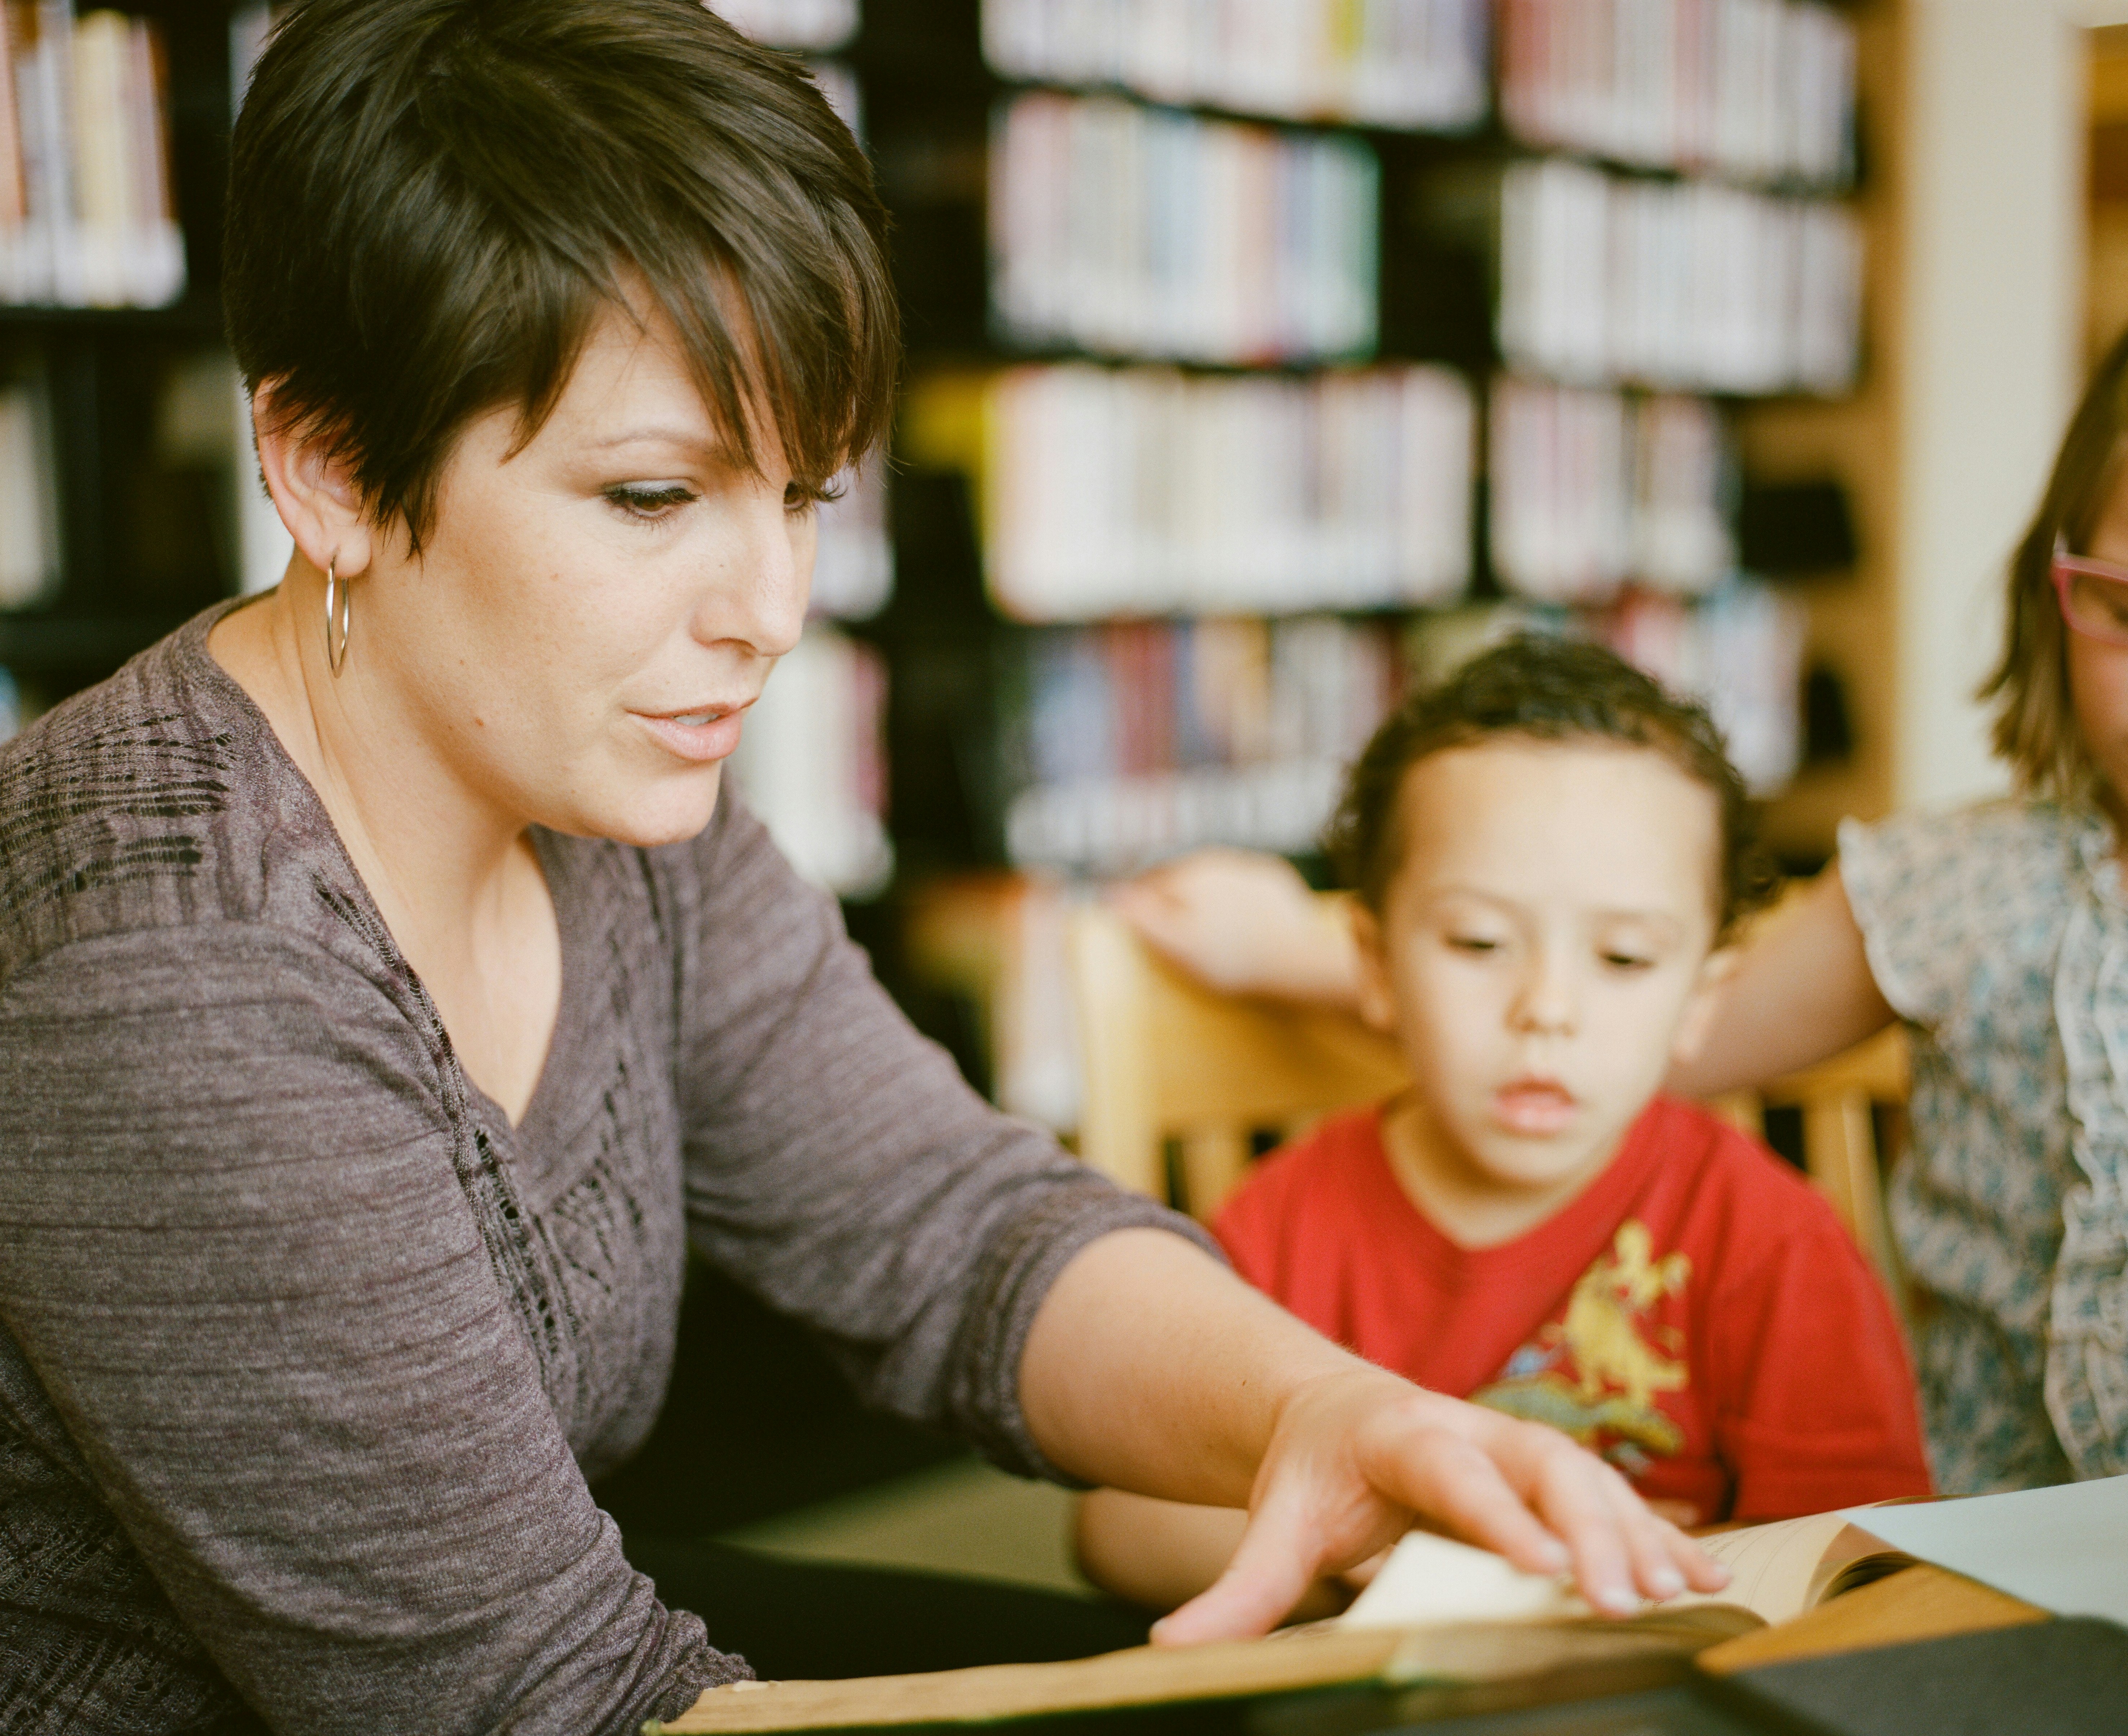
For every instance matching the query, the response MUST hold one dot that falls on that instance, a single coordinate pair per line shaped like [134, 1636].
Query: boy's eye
[1473, 943]
[1619, 960]
[648, 502]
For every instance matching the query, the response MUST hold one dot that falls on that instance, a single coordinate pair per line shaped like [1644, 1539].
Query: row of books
[1590, 489]
[1685, 285]
[1131, 741]
[1144, 491]
[88, 214]
[1758, 90]
[812, 762]
[1127, 230]
[1401, 64]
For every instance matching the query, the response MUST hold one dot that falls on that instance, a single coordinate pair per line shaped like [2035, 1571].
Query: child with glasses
[1550, 855]
[1998, 933]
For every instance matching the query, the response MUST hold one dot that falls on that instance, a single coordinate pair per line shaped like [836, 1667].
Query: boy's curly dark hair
[1546, 690]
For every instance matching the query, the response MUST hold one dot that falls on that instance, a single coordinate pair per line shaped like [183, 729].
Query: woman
[390, 993]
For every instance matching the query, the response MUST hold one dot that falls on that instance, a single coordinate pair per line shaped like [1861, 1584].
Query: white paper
[2064, 1549]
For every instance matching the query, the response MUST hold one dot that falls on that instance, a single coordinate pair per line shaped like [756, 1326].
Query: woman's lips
[1536, 1107]
[699, 736]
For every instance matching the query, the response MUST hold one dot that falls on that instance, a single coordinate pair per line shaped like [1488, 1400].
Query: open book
[1439, 1614]
[1776, 1572]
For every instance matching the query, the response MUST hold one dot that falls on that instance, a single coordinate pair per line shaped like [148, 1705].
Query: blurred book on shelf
[29, 498]
[1592, 488]
[1679, 285]
[812, 764]
[853, 561]
[88, 217]
[815, 24]
[1127, 231]
[1760, 91]
[1398, 64]
[1144, 491]
[1132, 741]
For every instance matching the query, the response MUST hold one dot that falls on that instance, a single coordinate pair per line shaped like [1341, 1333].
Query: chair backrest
[1165, 1058]
[1838, 1099]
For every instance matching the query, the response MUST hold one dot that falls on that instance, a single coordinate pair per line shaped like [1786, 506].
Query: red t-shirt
[1697, 1314]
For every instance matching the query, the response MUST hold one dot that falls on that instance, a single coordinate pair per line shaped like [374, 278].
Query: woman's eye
[648, 502]
[805, 496]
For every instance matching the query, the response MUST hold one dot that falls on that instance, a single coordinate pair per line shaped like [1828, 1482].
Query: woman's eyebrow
[693, 438]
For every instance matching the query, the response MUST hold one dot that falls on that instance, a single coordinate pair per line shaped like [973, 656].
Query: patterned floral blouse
[2000, 932]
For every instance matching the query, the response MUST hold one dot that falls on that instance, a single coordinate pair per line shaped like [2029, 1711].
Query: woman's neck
[452, 872]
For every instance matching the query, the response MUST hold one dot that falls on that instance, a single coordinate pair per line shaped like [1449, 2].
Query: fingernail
[1556, 1560]
[1617, 1600]
[1666, 1582]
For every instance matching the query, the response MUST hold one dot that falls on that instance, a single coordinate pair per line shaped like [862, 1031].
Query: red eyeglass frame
[2064, 569]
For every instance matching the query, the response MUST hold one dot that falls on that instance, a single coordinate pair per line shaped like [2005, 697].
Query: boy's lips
[1534, 1107]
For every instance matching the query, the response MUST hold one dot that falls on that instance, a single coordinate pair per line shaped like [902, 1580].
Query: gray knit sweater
[305, 1353]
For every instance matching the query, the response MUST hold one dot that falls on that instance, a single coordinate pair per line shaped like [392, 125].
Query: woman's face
[591, 615]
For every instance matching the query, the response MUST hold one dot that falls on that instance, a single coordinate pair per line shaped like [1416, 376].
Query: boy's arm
[1803, 991]
[1157, 1554]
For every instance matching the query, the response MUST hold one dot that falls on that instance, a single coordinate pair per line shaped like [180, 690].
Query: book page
[1773, 1569]
[2061, 1548]
[1430, 1579]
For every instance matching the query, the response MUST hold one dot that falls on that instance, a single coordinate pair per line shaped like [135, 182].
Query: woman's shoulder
[158, 801]
[2007, 840]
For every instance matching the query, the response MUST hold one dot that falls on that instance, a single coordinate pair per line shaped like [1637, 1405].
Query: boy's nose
[1547, 1005]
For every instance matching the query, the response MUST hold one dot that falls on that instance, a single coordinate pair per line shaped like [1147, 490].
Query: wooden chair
[1165, 1058]
[1838, 1100]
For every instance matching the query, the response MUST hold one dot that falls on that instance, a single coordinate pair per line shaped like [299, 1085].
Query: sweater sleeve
[236, 1257]
[1816, 1407]
[839, 1166]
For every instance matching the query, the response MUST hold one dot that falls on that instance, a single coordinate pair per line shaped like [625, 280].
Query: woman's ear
[312, 491]
[1377, 1003]
[1697, 1020]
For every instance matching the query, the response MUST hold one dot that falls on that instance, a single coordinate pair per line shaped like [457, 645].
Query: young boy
[1549, 853]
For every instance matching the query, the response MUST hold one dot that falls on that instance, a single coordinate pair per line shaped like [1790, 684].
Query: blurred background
[1265, 356]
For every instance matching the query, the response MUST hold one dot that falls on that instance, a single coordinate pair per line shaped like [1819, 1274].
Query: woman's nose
[757, 598]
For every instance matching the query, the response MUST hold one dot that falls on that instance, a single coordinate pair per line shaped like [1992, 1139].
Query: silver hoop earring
[336, 592]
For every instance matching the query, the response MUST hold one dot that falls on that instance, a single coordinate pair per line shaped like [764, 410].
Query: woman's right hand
[1244, 923]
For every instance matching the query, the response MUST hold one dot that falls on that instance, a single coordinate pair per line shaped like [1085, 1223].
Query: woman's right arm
[1801, 992]
[254, 1313]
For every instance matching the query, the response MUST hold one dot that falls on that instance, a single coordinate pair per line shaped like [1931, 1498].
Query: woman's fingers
[1544, 1503]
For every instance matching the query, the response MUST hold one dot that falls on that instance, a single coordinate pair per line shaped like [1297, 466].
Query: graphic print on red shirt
[1697, 1314]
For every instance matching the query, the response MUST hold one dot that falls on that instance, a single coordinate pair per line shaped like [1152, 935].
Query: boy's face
[1543, 954]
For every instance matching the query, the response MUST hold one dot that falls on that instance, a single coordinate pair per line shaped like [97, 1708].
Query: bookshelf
[120, 471]
[1624, 287]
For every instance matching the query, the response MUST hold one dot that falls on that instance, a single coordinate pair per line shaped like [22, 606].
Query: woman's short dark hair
[1545, 690]
[431, 201]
